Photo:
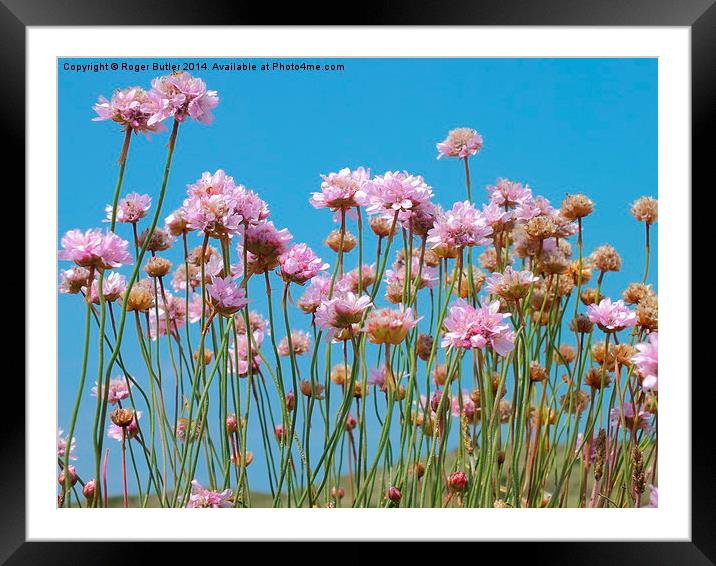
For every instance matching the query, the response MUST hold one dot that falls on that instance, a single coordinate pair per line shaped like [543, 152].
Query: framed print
[405, 274]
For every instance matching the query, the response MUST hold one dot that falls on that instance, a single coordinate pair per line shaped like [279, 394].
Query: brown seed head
[122, 417]
[605, 258]
[333, 241]
[157, 267]
[645, 209]
[576, 206]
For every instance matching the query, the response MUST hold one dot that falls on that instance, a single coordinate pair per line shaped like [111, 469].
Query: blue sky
[560, 125]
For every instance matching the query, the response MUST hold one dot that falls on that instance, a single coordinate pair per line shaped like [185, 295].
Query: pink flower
[653, 496]
[316, 291]
[72, 280]
[342, 311]
[226, 296]
[470, 327]
[132, 430]
[377, 377]
[203, 498]
[130, 209]
[350, 280]
[212, 205]
[647, 362]
[460, 142]
[422, 219]
[642, 419]
[509, 194]
[588, 450]
[113, 287]
[118, 390]
[469, 408]
[62, 446]
[266, 242]
[530, 208]
[495, 214]
[127, 107]
[342, 190]
[299, 264]
[611, 317]
[95, 249]
[240, 351]
[196, 308]
[461, 226]
[300, 340]
[396, 192]
[180, 95]
[389, 326]
[172, 316]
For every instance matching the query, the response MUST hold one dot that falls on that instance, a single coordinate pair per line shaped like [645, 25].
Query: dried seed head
[195, 255]
[605, 258]
[636, 292]
[381, 226]
[440, 375]
[500, 504]
[478, 280]
[157, 267]
[623, 354]
[430, 258]
[581, 324]
[122, 417]
[540, 228]
[593, 378]
[333, 241]
[645, 209]
[575, 402]
[140, 298]
[576, 206]
[208, 356]
[425, 346]
[315, 391]
[338, 374]
[586, 271]
[553, 263]
[567, 354]
[419, 469]
[590, 296]
[161, 240]
[475, 397]
[600, 454]
[488, 259]
[647, 313]
[537, 372]
[603, 355]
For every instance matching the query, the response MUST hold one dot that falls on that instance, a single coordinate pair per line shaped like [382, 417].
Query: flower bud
[122, 417]
[157, 267]
[458, 481]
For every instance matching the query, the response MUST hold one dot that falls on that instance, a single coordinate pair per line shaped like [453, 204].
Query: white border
[670, 521]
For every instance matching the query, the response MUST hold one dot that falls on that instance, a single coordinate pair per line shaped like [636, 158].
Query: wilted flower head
[131, 209]
[470, 327]
[511, 285]
[389, 326]
[461, 226]
[646, 209]
[342, 190]
[460, 142]
[381, 225]
[299, 264]
[95, 249]
[611, 317]
[226, 296]
[128, 108]
[576, 206]
[647, 362]
[204, 498]
[159, 241]
[118, 389]
[176, 223]
[180, 95]
[396, 192]
[130, 431]
[337, 240]
[300, 340]
[605, 258]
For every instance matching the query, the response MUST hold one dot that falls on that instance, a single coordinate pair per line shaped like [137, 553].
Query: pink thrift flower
[266, 243]
[377, 377]
[509, 194]
[132, 430]
[495, 215]
[342, 190]
[72, 280]
[118, 389]
[611, 317]
[511, 285]
[422, 219]
[131, 209]
[390, 326]
[470, 327]
[203, 498]
[300, 340]
[396, 192]
[631, 419]
[460, 142]
[653, 496]
[469, 408]
[180, 95]
[240, 351]
[113, 287]
[316, 291]
[342, 311]
[196, 309]
[172, 316]
[62, 446]
[95, 249]
[459, 227]
[647, 362]
[299, 264]
[226, 296]
[127, 107]
[212, 205]
[533, 207]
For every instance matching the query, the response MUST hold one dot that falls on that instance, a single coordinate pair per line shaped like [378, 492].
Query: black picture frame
[698, 15]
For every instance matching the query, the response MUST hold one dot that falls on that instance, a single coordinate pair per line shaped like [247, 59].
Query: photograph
[358, 282]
